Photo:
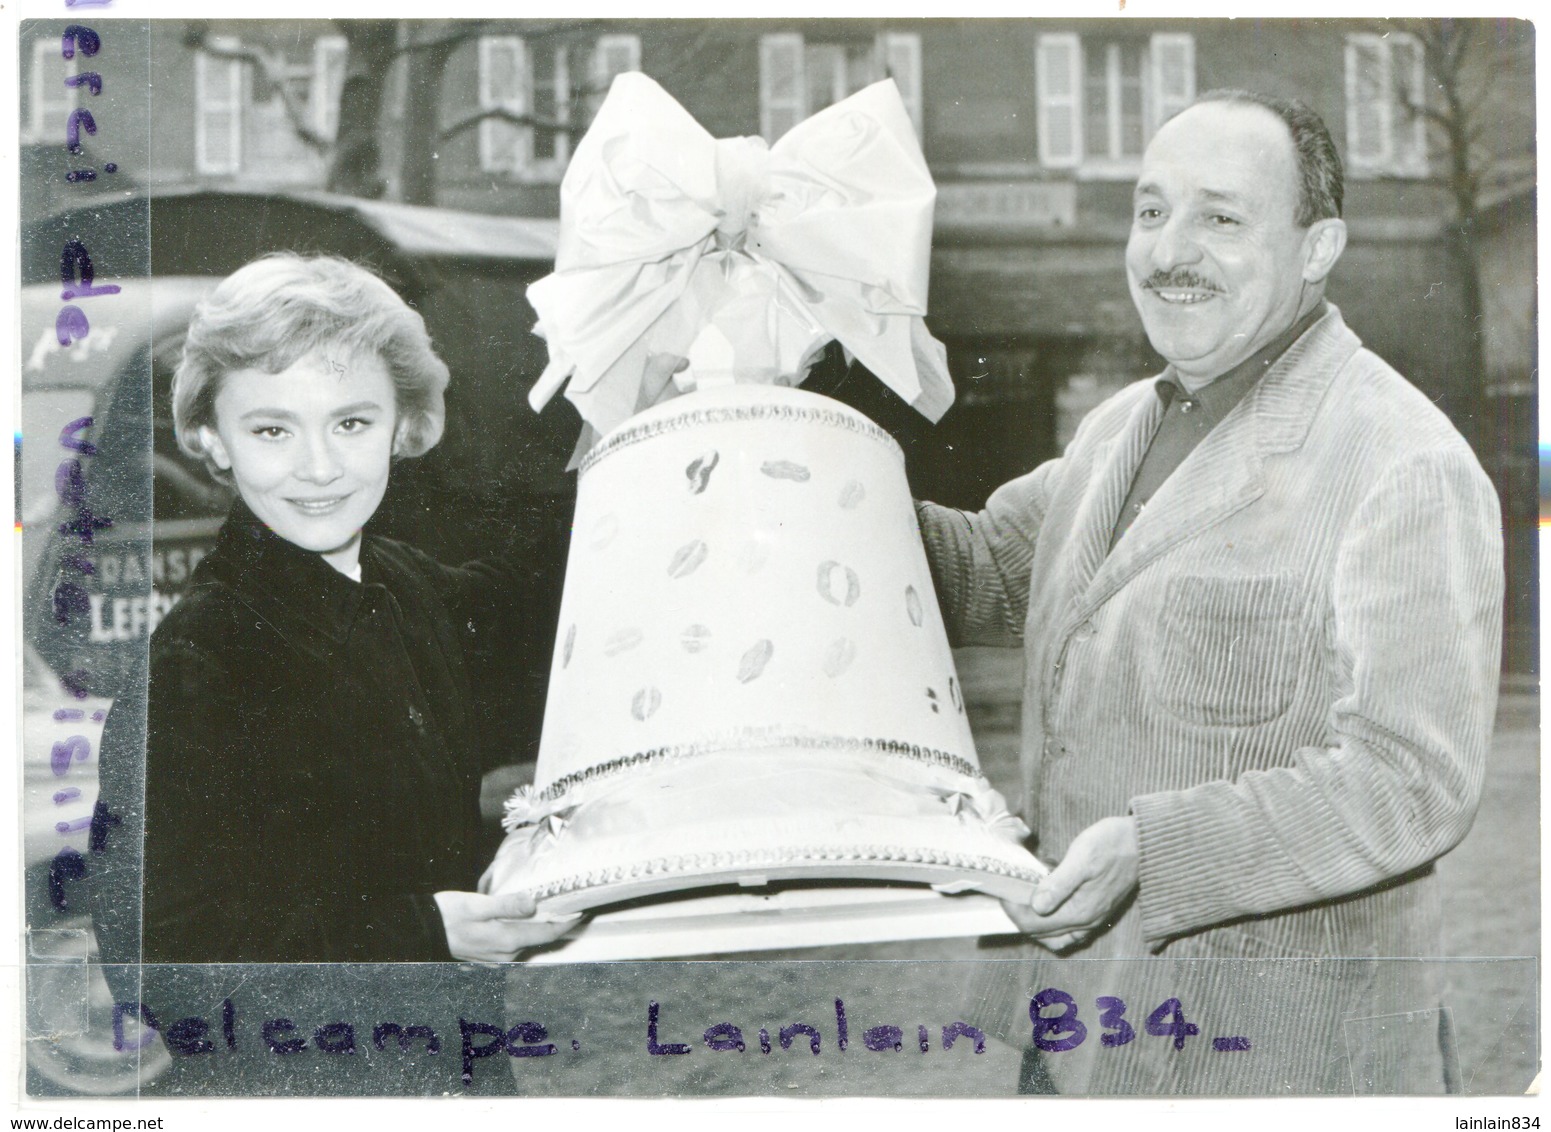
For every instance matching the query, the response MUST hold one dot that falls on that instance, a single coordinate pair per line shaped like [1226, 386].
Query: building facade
[1033, 129]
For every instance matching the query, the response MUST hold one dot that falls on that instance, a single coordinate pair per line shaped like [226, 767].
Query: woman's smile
[319, 506]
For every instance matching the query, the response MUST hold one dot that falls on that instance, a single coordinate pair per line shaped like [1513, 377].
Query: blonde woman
[313, 759]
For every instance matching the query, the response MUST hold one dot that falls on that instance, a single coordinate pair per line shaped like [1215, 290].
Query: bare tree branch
[549, 125]
[271, 71]
[1480, 128]
[1428, 113]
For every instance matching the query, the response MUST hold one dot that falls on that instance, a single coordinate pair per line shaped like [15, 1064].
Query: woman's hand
[493, 929]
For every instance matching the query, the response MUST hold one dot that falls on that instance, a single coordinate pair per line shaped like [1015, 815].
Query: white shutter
[1367, 103]
[505, 83]
[218, 84]
[901, 55]
[51, 99]
[1058, 88]
[829, 71]
[1173, 58]
[329, 55]
[1408, 129]
[612, 55]
[782, 84]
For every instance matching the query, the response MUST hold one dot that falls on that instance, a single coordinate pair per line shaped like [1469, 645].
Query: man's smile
[1180, 288]
[1183, 297]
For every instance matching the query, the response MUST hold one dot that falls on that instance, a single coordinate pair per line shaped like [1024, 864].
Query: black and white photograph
[863, 556]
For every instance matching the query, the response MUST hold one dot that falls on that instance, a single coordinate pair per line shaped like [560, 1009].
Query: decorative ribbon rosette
[751, 682]
[741, 259]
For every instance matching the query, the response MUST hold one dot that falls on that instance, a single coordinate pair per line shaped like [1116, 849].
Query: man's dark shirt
[1188, 417]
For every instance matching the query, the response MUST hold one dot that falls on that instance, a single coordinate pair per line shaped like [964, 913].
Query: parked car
[499, 470]
[500, 466]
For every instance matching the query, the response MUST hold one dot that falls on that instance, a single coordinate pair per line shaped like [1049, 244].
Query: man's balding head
[1220, 259]
[1322, 180]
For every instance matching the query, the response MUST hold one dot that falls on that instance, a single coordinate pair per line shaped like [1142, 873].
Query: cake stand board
[777, 919]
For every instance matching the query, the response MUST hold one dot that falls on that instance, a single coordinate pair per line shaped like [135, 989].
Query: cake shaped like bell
[751, 681]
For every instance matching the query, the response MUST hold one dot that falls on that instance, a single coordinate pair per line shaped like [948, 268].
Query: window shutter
[1058, 83]
[1408, 130]
[901, 55]
[505, 83]
[782, 84]
[613, 55]
[329, 54]
[1367, 110]
[1173, 76]
[830, 72]
[52, 100]
[218, 119]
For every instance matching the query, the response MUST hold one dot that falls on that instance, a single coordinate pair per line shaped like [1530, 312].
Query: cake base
[784, 918]
[667, 821]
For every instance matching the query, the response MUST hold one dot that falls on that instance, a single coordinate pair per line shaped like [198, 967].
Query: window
[798, 78]
[220, 86]
[1385, 130]
[540, 82]
[1112, 126]
[546, 151]
[51, 100]
[1101, 100]
[329, 56]
[255, 109]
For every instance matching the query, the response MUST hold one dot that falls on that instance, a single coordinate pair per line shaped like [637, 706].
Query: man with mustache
[1260, 601]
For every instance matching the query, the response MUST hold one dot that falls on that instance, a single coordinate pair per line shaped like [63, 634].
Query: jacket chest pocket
[1227, 649]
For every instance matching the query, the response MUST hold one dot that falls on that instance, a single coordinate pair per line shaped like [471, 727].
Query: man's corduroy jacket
[1286, 670]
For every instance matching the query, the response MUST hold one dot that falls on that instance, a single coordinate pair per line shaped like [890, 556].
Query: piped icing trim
[692, 863]
[536, 818]
[695, 418]
[529, 798]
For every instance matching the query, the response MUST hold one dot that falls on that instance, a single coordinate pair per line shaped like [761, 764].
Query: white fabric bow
[740, 258]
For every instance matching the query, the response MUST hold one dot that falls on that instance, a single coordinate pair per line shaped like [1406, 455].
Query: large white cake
[751, 680]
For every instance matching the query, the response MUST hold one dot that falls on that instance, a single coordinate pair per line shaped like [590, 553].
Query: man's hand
[1079, 896]
[493, 929]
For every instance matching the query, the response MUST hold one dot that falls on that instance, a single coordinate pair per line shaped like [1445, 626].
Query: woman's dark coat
[314, 752]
